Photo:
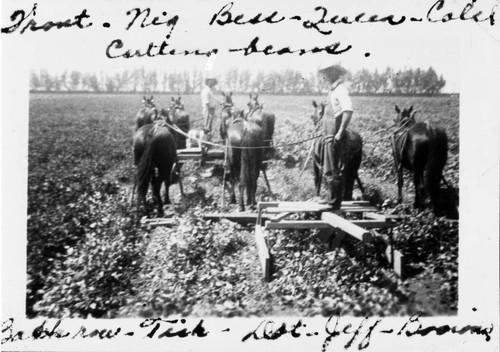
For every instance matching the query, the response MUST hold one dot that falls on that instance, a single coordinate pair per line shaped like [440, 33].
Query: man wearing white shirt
[208, 103]
[338, 114]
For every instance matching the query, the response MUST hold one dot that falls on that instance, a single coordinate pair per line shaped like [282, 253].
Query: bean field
[89, 255]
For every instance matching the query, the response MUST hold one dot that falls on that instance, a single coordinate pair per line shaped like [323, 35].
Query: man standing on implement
[208, 105]
[337, 117]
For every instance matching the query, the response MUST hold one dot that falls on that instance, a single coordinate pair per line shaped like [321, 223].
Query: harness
[400, 137]
[255, 108]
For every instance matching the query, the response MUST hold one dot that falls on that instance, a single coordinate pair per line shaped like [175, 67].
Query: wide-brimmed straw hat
[332, 73]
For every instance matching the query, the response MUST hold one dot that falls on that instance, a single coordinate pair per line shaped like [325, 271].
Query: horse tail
[251, 159]
[268, 121]
[438, 154]
[144, 167]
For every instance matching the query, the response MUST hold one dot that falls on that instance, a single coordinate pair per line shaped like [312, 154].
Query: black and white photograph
[212, 175]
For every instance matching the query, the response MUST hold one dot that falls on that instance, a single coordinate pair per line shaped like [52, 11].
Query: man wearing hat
[208, 104]
[336, 119]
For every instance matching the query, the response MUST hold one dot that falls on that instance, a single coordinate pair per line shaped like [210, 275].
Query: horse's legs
[242, 203]
[252, 189]
[434, 194]
[248, 189]
[317, 178]
[233, 188]
[399, 169]
[167, 193]
[142, 200]
[156, 181]
[360, 185]
[400, 183]
[349, 178]
[419, 189]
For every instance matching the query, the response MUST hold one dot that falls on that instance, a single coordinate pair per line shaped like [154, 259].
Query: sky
[409, 45]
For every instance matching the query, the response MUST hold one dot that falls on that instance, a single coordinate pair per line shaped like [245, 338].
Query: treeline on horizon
[404, 82]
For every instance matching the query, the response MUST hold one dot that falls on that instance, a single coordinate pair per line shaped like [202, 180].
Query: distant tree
[94, 83]
[417, 81]
[47, 81]
[74, 80]
[245, 77]
[63, 81]
[186, 79]
[164, 83]
[259, 81]
[35, 82]
[231, 79]
[110, 84]
[432, 84]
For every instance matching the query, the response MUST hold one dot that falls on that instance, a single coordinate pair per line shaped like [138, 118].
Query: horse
[353, 155]
[147, 114]
[227, 105]
[422, 149]
[155, 158]
[226, 111]
[244, 157]
[176, 115]
[264, 120]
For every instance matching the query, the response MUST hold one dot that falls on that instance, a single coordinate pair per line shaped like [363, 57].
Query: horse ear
[410, 109]
[397, 109]
[315, 104]
[413, 115]
[230, 94]
[223, 93]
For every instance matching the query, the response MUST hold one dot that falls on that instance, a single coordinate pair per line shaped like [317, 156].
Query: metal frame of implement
[330, 224]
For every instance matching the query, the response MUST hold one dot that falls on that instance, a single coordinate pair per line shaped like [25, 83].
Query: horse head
[176, 104]
[227, 100]
[227, 106]
[150, 104]
[253, 104]
[405, 117]
[233, 115]
[319, 112]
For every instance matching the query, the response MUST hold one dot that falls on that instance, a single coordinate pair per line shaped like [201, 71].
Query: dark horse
[244, 157]
[154, 156]
[226, 111]
[147, 114]
[176, 115]
[423, 149]
[353, 155]
[264, 120]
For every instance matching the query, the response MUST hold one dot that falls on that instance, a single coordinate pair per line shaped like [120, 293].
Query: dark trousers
[334, 160]
[208, 114]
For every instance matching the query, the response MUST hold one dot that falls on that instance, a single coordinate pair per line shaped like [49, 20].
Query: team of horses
[247, 137]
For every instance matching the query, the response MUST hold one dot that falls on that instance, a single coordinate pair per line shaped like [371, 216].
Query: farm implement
[333, 227]
[202, 155]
